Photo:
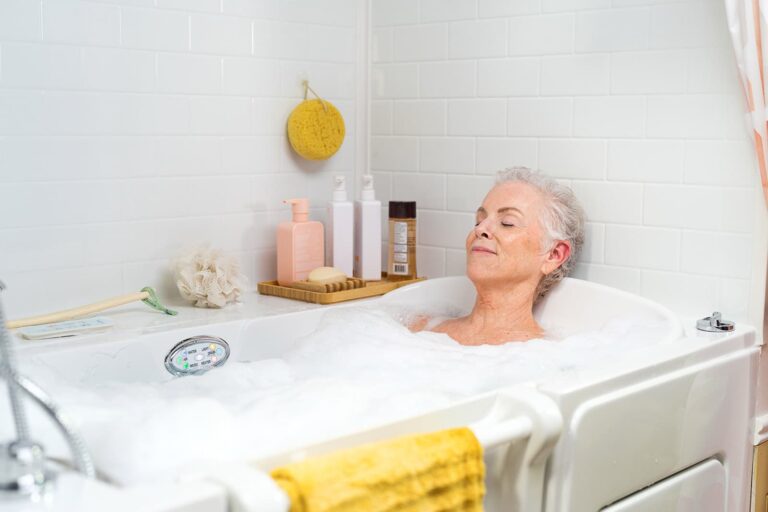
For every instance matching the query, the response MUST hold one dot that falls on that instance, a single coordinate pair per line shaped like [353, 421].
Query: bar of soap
[326, 275]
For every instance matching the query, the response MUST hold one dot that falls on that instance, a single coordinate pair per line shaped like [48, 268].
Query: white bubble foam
[361, 367]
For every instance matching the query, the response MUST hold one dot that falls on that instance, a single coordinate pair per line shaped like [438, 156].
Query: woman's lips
[483, 249]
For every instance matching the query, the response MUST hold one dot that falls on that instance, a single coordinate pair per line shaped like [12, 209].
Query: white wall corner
[759, 287]
[363, 92]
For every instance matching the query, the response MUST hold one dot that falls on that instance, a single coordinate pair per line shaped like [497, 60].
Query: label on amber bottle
[400, 248]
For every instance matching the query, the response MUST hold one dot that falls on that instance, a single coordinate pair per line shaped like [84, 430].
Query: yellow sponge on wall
[316, 129]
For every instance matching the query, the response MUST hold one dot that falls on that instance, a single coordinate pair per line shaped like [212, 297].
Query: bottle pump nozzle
[339, 188]
[368, 193]
[299, 208]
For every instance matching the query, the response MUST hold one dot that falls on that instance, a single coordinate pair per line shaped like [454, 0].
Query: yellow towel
[438, 472]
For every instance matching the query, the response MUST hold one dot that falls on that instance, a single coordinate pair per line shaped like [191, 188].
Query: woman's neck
[501, 314]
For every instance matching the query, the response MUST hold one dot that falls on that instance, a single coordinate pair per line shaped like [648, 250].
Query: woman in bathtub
[527, 235]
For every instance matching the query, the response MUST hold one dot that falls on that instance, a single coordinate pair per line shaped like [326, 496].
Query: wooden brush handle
[69, 314]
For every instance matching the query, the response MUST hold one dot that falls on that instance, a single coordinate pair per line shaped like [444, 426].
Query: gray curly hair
[563, 219]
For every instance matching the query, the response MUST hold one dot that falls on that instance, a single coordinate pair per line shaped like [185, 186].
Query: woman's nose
[482, 231]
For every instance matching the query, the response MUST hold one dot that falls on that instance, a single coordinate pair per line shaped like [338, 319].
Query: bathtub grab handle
[495, 434]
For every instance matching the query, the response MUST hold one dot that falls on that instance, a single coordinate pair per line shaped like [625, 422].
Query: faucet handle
[22, 469]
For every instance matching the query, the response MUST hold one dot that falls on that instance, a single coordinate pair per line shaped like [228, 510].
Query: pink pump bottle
[300, 244]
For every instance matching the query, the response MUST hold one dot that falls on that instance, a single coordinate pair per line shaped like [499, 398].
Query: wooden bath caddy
[329, 294]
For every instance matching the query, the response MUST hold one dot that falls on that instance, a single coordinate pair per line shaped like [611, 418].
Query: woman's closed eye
[506, 223]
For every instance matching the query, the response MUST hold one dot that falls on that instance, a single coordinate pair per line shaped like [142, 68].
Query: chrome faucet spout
[22, 461]
[8, 371]
[81, 459]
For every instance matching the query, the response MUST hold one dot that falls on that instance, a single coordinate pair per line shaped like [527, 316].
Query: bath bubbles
[361, 367]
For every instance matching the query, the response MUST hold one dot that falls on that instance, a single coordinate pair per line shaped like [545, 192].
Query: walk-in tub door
[629, 436]
[697, 489]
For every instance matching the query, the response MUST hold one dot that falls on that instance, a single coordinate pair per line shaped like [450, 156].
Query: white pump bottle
[368, 233]
[339, 234]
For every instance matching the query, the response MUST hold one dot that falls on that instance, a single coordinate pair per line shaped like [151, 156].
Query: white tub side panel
[624, 440]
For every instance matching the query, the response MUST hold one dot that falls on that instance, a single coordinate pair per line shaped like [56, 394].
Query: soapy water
[361, 367]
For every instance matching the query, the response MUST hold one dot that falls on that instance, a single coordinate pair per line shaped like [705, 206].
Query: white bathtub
[668, 429]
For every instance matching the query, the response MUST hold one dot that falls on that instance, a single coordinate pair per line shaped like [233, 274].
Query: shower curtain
[746, 22]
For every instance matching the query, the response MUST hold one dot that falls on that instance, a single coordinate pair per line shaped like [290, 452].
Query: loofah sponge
[209, 278]
[315, 129]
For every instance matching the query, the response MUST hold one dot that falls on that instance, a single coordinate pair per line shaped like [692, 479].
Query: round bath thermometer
[196, 355]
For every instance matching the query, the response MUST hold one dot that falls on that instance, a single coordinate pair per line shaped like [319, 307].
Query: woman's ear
[556, 256]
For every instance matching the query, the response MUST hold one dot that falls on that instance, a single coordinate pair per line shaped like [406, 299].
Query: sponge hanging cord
[307, 89]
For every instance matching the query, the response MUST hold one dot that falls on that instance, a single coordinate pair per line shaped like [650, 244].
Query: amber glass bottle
[402, 240]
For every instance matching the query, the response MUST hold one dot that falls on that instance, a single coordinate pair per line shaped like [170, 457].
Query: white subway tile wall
[635, 103]
[132, 130]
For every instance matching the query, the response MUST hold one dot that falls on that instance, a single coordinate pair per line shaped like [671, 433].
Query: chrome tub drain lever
[715, 323]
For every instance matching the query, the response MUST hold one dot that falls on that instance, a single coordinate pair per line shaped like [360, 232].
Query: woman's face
[505, 245]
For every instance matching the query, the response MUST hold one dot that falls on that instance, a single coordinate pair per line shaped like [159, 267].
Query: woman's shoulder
[430, 323]
[419, 323]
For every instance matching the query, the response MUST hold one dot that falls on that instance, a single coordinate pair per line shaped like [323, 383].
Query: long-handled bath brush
[147, 295]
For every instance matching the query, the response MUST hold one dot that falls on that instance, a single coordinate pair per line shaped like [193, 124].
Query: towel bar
[495, 434]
